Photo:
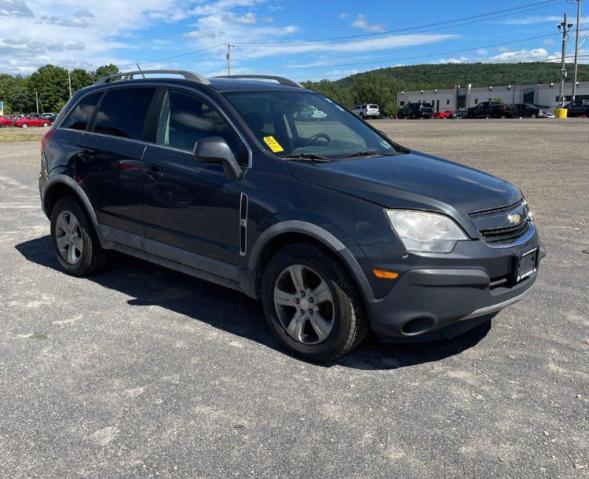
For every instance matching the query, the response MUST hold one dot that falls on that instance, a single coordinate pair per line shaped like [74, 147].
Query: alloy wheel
[304, 304]
[68, 236]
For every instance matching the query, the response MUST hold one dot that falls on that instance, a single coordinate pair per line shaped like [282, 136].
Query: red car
[4, 121]
[31, 120]
[444, 114]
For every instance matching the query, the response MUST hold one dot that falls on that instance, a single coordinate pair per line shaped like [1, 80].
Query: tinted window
[80, 116]
[185, 119]
[304, 123]
[123, 112]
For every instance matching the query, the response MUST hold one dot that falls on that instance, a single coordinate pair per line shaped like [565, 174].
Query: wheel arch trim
[316, 232]
[79, 193]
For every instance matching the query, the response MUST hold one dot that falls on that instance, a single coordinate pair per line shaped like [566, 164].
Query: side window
[185, 119]
[123, 112]
[82, 113]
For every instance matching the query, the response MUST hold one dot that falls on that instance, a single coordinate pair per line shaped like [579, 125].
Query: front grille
[492, 211]
[504, 235]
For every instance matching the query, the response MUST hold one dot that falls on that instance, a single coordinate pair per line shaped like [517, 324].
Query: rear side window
[123, 112]
[81, 115]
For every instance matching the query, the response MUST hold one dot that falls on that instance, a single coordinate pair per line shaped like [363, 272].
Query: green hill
[381, 86]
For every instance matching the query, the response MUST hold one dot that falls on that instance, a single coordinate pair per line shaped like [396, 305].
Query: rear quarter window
[123, 112]
[82, 113]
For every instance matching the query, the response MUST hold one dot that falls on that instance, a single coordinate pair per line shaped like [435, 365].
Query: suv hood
[412, 180]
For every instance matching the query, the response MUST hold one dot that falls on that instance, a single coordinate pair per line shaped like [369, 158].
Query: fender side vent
[243, 206]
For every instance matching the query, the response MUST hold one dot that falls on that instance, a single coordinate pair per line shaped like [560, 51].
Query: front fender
[345, 252]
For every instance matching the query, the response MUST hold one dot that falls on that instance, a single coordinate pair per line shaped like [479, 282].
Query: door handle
[154, 173]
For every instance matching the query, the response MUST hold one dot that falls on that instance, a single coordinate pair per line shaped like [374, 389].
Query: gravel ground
[144, 372]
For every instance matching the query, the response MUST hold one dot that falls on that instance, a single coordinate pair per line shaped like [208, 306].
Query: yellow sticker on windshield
[273, 144]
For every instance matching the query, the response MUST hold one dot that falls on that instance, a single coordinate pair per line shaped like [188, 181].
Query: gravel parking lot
[144, 372]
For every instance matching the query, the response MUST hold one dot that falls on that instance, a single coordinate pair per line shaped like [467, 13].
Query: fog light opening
[417, 326]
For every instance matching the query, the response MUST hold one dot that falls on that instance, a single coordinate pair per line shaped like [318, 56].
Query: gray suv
[336, 228]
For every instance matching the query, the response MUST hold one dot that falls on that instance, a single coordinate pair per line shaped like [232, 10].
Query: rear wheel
[74, 240]
[311, 304]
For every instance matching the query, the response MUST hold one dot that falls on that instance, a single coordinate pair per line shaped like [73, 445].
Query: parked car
[545, 113]
[32, 120]
[578, 108]
[335, 227]
[367, 111]
[488, 109]
[460, 113]
[525, 110]
[444, 115]
[416, 111]
[6, 121]
[49, 116]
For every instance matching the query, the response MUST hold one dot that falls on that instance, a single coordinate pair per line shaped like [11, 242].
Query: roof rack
[195, 77]
[281, 80]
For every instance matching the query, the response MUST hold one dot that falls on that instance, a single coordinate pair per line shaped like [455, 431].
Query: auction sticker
[273, 144]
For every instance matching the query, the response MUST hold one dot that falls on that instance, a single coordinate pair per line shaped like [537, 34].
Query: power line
[448, 52]
[427, 27]
[493, 15]
[181, 55]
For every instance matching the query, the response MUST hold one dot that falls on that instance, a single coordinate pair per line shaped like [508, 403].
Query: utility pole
[37, 100]
[229, 47]
[564, 28]
[69, 81]
[576, 49]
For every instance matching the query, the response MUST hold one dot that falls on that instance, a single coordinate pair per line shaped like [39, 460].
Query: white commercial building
[465, 97]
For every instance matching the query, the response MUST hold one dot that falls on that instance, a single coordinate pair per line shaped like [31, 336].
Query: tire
[343, 324]
[80, 253]
[24, 125]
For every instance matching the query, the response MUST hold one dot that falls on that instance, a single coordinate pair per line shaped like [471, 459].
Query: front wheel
[311, 303]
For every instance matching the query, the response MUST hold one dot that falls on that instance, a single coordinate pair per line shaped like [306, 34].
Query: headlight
[425, 232]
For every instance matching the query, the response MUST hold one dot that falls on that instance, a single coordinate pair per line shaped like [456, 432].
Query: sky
[300, 39]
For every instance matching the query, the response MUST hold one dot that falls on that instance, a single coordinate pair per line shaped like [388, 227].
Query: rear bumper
[428, 302]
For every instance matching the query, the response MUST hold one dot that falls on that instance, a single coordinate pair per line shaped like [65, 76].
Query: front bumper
[434, 293]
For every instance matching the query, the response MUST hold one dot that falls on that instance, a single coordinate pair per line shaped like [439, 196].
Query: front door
[191, 208]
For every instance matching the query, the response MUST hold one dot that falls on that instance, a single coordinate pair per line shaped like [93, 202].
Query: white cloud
[36, 32]
[361, 22]
[520, 55]
[388, 42]
[225, 21]
[14, 8]
[536, 19]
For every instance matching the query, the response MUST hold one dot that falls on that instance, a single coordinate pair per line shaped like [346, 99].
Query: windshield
[299, 124]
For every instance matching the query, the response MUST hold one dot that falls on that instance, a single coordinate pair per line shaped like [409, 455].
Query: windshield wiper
[306, 156]
[365, 153]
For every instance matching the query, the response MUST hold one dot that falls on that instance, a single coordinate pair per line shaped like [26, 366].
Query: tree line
[381, 86]
[49, 83]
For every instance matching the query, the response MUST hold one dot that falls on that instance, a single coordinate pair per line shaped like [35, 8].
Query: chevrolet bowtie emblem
[514, 219]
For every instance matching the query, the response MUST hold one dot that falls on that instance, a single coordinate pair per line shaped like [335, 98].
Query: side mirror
[216, 150]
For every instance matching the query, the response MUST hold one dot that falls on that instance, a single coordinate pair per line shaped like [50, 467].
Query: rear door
[191, 207]
[110, 163]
